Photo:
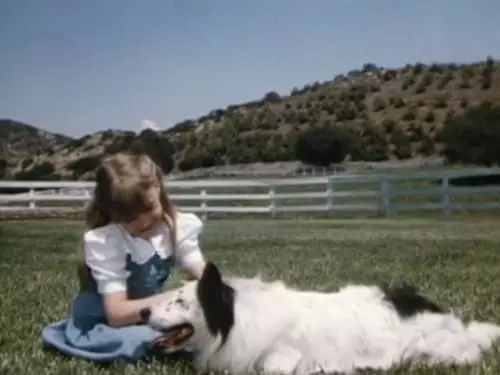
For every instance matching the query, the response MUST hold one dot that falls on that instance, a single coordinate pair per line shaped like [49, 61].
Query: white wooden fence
[385, 194]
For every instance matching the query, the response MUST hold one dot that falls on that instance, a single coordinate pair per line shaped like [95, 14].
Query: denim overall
[85, 333]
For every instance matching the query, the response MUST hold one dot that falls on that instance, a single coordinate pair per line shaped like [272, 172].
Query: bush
[409, 115]
[398, 102]
[427, 146]
[272, 97]
[429, 117]
[493, 179]
[378, 104]
[157, 146]
[3, 167]
[416, 133]
[418, 68]
[40, 172]
[487, 74]
[373, 146]
[440, 102]
[389, 125]
[424, 83]
[26, 162]
[408, 83]
[83, 165]
[474, 136]
[197, 158]
[346, 113]
[402, 143]
[465, 84]
[324, 145]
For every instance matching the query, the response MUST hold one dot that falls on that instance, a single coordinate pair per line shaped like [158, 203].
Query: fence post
[385, 197]
[272, 200]
[203, 204]
[446, 198]
[87, 196]
[329, 195]
[32, 203]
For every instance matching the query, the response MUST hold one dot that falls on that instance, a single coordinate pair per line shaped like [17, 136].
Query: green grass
[454, 261]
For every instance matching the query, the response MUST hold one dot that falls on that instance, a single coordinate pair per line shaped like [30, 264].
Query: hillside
[396, 114]
[18, 139]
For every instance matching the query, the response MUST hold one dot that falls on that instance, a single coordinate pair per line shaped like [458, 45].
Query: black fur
[407, 300]
[217, 301]
[145, 314]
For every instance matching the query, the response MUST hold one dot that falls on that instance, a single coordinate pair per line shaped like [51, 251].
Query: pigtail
[169, 209]
[96, 216]
[169, 214]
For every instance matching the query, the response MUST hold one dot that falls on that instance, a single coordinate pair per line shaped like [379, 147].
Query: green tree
[84, 165]
[402, 143]
[157, 146]
[474, 136]
[3, 167]
[323, 145]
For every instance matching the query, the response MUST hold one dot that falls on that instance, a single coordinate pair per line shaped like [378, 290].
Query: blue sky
[79, 66]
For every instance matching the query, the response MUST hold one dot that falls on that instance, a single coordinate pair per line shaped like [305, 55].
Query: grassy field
[454, 261]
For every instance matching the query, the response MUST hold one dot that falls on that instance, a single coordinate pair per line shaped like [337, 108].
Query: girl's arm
[105, 260]
[196, 269]
[121, 310]
[188, 252]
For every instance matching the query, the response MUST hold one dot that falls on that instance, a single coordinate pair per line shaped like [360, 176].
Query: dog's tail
[446, 339]
[478, 338]
[484, 334]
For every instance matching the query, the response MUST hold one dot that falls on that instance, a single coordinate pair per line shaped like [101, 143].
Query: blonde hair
[122, 183]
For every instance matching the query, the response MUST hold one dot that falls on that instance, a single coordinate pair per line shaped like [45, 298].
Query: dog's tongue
[164, 342]
[170, 339]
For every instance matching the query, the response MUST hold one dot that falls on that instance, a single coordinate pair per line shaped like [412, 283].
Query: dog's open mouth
[174, 337]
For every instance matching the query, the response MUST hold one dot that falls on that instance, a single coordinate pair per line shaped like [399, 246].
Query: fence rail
[385, 194]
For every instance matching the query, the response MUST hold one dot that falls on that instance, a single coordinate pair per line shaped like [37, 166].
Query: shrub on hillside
[409, 115]
[39, 172]
[83, 165]
[181, 127]
[324, 145]
[3, 167]
[378, 104]
[402, 143]
[196, 158]
[370, 145]
[26, 162]
[474, 136]
[120, 144]
[427, 147]
[429, 117]
[158, 147]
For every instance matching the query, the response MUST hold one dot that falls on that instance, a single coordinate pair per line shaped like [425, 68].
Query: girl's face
[146, 223]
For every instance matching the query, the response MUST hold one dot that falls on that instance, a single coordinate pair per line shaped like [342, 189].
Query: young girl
[134, 237]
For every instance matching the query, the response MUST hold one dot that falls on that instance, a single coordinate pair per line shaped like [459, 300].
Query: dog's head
[195, 310]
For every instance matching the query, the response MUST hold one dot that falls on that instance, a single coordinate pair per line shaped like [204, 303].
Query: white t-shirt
[106, 249]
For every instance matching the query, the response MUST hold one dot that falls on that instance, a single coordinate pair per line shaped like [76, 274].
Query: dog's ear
[211, 277]
[217, 301]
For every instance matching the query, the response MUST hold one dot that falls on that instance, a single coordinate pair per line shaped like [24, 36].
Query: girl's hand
[123, 311]
[196, 270]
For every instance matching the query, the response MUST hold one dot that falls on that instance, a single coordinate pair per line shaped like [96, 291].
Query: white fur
[282, 330]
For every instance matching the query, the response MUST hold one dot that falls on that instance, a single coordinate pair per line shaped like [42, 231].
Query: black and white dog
[247, 325]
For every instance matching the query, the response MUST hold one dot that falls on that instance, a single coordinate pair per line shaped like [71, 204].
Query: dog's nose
[145, 313]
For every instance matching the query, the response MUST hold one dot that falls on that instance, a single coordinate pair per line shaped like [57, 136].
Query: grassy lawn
[455, 261]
